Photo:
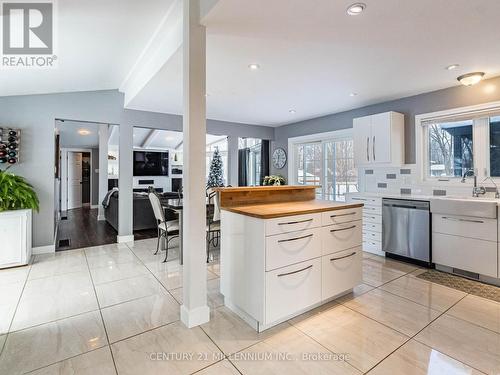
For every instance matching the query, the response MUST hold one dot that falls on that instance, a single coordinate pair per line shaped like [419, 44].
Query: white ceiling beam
[149, 138]
[164, 43]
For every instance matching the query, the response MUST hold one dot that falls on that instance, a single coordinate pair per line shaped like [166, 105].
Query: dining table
[177, 204]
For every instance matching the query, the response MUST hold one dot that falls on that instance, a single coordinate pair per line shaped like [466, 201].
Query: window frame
[321, 138]
[480, 115]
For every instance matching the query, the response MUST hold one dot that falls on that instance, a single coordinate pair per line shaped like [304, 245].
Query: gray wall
[459, 96]
[36, 114]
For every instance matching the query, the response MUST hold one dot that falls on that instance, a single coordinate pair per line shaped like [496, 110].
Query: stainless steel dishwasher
[406, 230]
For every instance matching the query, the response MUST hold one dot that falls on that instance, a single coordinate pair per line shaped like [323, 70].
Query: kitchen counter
[282, 209]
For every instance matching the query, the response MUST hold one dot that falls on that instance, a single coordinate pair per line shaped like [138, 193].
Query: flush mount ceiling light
[452, 66]
[353, 94]
[83, 132]
[470, 79]
[356, 9]
[254, 66]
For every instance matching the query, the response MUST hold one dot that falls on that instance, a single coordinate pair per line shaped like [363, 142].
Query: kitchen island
[283, 252]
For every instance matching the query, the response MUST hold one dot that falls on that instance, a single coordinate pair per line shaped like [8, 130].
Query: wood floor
[82, 229]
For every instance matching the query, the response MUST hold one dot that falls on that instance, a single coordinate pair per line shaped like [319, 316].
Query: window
[328, 163]
[450, 148]
[450, 143]
[221, 145]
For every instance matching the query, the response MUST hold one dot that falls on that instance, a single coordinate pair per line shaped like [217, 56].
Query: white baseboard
[43, 249]
[94, 206]
[123, 239]
[195, 317]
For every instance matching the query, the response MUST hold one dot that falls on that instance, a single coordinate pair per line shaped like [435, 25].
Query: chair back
[213, 198]
[157, 209]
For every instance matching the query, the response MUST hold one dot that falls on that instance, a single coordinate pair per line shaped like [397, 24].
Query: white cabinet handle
[345, 256]
[359, 199]
[296, 222]
[294, 272]
[466, 220]
[350, 213]
[341, 229]
[296, 238]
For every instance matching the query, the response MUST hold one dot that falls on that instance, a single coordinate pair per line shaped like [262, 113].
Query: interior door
[74, 180]
[362, 140]
[381, 138]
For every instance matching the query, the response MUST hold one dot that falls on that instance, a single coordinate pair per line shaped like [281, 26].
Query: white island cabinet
[280, 259]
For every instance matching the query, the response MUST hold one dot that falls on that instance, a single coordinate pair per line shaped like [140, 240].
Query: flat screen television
[150, 163]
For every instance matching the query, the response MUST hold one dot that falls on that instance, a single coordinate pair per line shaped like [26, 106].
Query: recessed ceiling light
[452, 66]
[356, 9]
[83, 132]
[353, 94]
[292, 111]
[254, 66]
[470, 79]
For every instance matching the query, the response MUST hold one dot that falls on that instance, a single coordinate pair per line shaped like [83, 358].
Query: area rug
[460, 283]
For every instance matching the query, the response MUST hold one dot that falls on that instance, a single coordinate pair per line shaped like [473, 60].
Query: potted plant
[275, 180]
[17, 200]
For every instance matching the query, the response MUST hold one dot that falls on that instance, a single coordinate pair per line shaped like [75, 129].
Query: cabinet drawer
[373, 201]
[375, 219]
[341, 216]
[292, 223]
[341, 237]
[372, 236]
[285, 249]
[483, 229]
[372, 227]
[371, 210]
[468, 254]
[340, 272]
[291, 289]
[371, 246]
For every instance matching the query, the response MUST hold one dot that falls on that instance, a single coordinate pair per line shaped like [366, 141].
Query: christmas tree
[216, 176]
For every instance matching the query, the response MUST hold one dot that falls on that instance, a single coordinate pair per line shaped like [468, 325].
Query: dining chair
[213, 220]
[166, 229]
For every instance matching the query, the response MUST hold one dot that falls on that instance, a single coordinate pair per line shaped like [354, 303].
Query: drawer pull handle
[359, 199]
[296, 222]
[294, 272]
[350, 213]
[466, 220]
[341, 229]
[296, 238]
[345, 256]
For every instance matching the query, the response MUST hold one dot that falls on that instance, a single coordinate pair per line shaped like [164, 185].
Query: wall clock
[279, 158]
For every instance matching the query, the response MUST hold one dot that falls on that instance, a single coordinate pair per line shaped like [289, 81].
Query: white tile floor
[115, 309]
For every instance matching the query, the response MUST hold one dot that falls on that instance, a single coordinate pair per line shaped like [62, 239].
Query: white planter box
[15, 238]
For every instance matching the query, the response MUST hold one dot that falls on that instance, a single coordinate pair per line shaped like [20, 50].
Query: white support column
[125, 195]
[194, 310]
[103, 167]
[232, 157]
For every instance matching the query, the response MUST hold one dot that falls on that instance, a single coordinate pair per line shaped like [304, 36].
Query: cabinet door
[362, 140]
[380, 143]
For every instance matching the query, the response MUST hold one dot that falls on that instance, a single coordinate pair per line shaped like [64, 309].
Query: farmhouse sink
[465, 207]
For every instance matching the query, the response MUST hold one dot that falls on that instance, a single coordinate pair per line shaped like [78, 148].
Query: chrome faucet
[476, 190]
[497, 193]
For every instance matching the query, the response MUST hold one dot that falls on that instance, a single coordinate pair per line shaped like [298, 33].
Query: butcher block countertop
[282, 209]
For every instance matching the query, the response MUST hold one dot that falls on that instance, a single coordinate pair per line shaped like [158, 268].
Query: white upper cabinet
[379, 139]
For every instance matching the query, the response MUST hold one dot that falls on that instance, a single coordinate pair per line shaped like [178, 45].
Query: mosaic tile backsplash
[404, 180]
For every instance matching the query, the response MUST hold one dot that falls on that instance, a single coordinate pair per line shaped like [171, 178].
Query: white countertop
[422, 197]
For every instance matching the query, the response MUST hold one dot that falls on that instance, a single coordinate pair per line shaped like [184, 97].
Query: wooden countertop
[282, 209]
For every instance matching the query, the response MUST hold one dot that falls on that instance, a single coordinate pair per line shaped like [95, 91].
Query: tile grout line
[100, 313]
[17, 306]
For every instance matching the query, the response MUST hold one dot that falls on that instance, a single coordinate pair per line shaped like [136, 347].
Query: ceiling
[98, 42]
[311, 53]
[313, 56]
[70, 136]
